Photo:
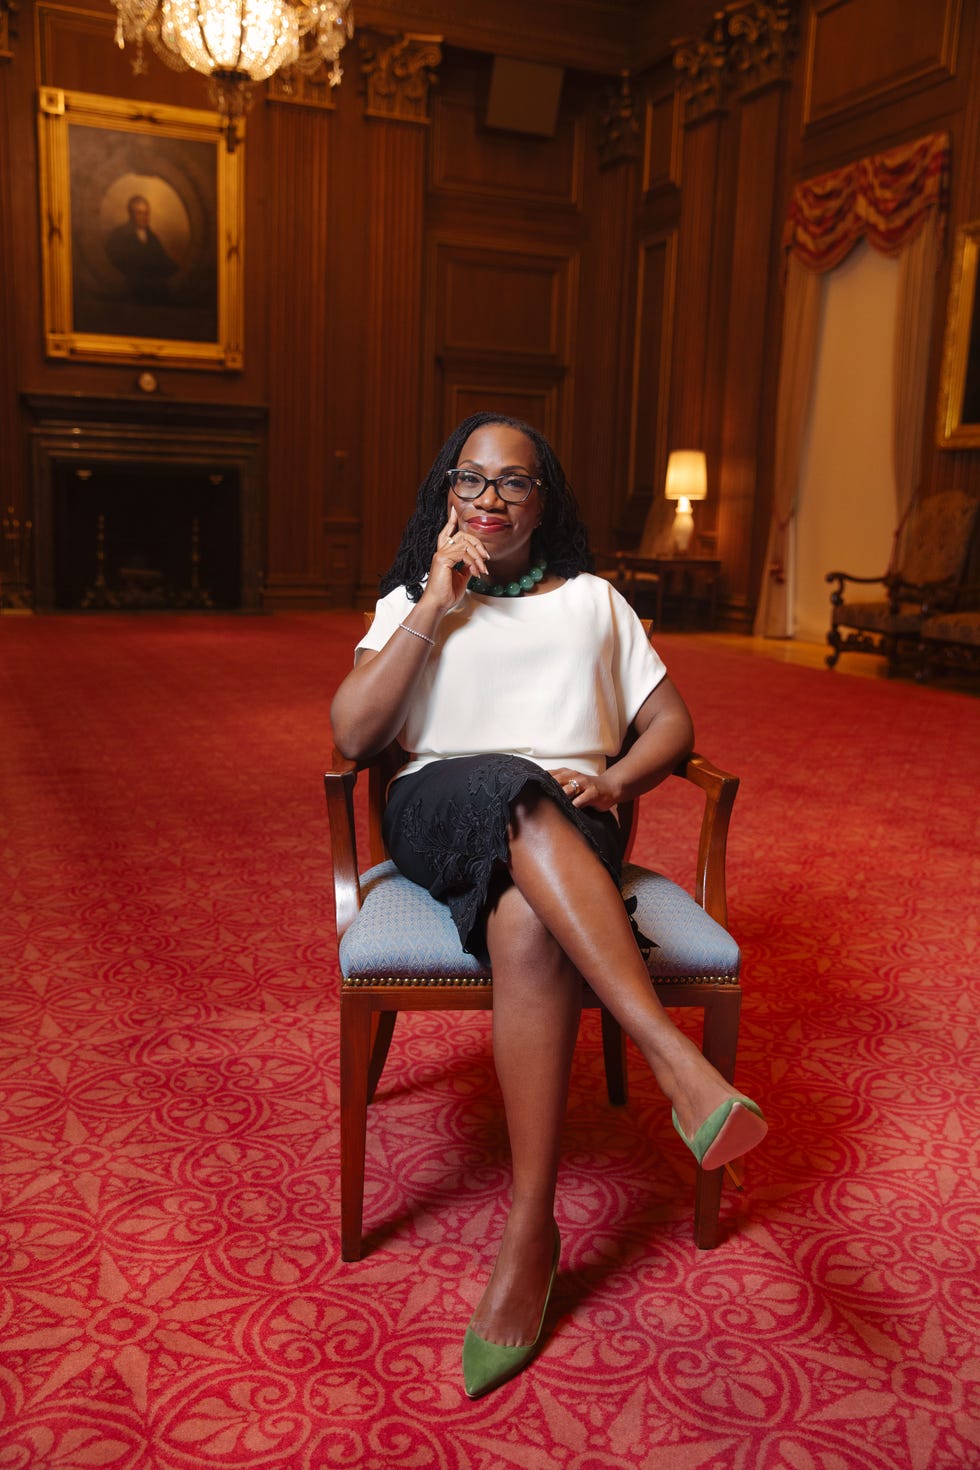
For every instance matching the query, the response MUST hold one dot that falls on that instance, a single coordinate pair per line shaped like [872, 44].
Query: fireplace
[134, 537]
[146, 504]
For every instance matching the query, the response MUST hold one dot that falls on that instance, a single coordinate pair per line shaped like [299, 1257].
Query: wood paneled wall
[618, 283]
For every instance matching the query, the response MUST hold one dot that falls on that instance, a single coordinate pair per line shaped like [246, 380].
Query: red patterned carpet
[171, 1294]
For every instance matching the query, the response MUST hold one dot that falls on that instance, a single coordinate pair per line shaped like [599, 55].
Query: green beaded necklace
[510, 589]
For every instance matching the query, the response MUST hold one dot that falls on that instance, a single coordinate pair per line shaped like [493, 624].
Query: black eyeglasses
[468, 485]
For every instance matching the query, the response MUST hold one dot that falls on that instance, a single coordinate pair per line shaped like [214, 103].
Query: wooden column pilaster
[602, 424]
[398, 72]
[299, 370]
[746, 426]
[734, 84]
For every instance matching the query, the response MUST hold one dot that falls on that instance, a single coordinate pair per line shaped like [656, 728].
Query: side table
[684, 587]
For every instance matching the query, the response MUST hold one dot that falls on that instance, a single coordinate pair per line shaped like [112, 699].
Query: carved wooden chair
[399, 951]
[923, 582]
[950, 642]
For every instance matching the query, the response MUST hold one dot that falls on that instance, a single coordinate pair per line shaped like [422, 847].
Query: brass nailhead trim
[375, 982]
[467, 982]
[696, 980]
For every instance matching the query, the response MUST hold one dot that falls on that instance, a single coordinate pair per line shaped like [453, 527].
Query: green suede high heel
[727, 1133]
[486, 1365]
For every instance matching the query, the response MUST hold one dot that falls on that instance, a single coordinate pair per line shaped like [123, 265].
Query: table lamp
[687, 480]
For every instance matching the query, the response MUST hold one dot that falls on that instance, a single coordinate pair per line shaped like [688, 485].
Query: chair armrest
[339, 782]
[720, 790]
[837, 595]
[847, 577]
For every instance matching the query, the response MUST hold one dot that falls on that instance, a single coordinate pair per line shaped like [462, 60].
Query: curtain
[801, 324]
[897, 202]
[884, 199]
[916, 293]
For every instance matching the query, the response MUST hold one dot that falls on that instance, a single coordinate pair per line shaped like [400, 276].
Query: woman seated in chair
[510, 676]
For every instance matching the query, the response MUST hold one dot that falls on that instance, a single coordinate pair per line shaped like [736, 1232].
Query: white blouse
[556, 677]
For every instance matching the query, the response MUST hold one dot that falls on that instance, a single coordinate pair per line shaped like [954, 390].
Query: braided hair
[561, 537]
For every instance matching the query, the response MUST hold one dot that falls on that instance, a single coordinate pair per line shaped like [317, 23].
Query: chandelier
[237, 43]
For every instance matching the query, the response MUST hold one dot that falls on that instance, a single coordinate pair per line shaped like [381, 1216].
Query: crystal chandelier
[238, 42]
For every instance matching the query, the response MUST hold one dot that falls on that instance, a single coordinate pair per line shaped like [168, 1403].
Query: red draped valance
[883, 199]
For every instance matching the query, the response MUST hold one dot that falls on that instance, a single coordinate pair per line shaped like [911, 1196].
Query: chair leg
[834, 639]
[355, 1051]
[384, 1029]
[614, 1056]
[707, 1208]
[720, 1044]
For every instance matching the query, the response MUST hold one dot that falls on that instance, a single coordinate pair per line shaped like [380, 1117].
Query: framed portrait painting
[142, 226]
[959, 388]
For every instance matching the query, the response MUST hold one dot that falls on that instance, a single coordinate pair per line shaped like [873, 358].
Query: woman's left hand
[585, 790]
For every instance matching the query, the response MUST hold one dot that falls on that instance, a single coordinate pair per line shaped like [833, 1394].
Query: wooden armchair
[935, 545]
[400, 951]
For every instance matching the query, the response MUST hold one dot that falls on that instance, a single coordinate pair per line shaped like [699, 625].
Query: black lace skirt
[446, 829]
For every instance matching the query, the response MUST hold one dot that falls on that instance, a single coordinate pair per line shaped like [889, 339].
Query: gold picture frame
[959, 387]
[142, 233]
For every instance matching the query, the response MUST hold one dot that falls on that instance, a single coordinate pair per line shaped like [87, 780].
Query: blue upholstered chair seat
[402, 933]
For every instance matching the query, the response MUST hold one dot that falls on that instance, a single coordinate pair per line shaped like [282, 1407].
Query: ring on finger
[575, 787]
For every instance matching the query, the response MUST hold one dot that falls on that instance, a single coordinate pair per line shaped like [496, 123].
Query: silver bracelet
[416, 634]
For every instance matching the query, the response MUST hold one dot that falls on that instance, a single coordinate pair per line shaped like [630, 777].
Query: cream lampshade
[687, 480]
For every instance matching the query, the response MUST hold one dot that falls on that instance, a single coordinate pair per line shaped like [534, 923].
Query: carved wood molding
[303, 91]
[590, 35]
[748, 45]
[397, 73]
[8, 27]
[619, 126]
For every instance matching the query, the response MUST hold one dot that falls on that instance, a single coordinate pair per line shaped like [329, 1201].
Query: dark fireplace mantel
[157, 436]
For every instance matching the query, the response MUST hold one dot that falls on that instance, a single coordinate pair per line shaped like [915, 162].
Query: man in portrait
[138, 254]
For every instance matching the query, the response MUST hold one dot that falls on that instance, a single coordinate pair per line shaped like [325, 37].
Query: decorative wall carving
[398, 73]
[303, 91]
[619, 126]
[747, 45]
[763, 40]
[702, 62]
